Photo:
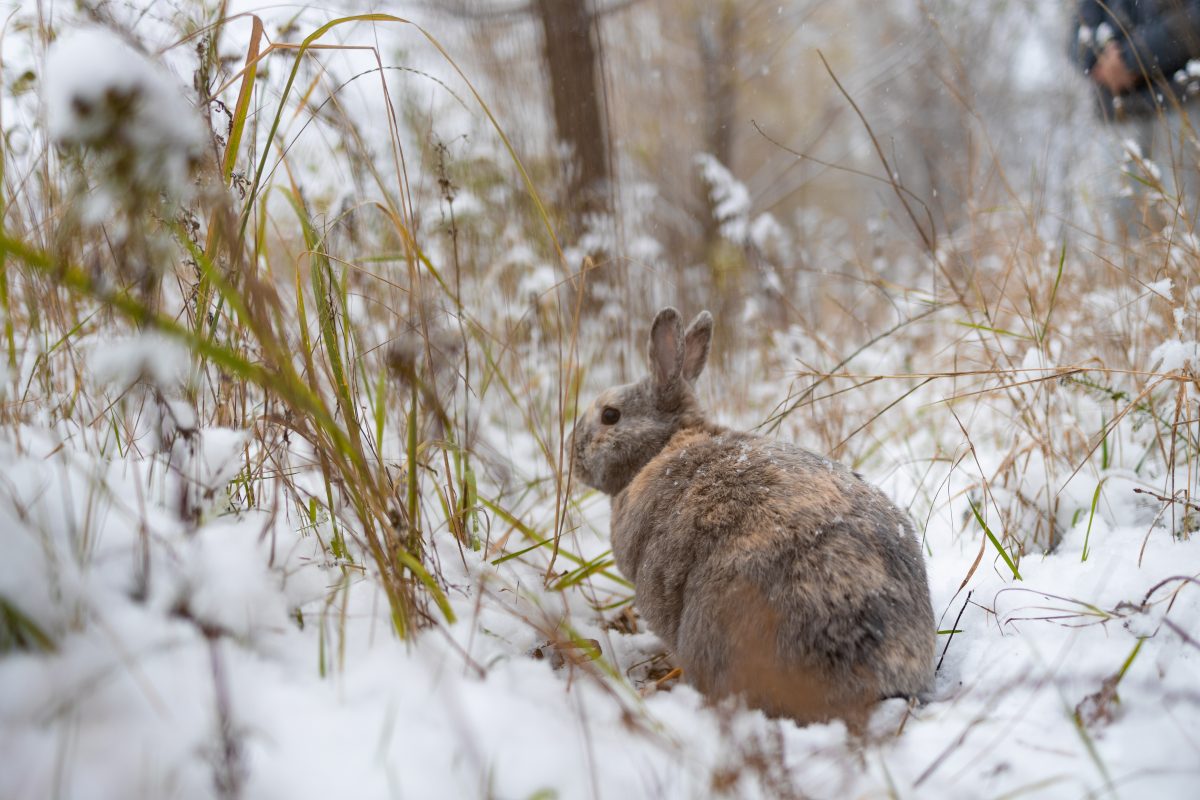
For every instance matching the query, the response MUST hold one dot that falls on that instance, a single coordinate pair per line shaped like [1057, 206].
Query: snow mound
[150, 357]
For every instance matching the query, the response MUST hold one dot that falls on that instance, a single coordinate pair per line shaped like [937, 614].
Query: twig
[953, 630]
[928, 238]
[776, 418]
[1181, 633]
[229, 769]
[862, 173]
[1165, 581]
[1166, 499]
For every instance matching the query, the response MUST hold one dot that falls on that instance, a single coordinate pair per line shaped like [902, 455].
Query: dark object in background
[1156, 39]
[571, 55]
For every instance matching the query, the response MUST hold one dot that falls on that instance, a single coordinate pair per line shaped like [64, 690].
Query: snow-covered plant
[134, 141]
[129, 116]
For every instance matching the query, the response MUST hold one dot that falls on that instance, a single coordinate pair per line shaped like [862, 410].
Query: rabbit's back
[776, 572]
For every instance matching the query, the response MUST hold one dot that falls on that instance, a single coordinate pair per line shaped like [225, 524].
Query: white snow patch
[1174, 354]
[538, 281]
[730, 197]
[225, 581]
[1164, 288]
[149, 357]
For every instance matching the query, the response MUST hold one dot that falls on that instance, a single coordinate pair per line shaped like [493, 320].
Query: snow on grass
[325, 700]
[101, 93]
[730, 197]
[1173, 355]
[180, 618]
[148, 357]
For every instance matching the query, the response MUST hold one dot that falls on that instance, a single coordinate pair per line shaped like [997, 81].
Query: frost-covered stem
[463, 507]
[228, 771]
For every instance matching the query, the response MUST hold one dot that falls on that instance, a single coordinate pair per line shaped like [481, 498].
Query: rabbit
[770, 571]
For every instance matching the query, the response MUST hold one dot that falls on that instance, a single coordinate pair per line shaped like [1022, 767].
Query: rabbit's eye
[610, 415]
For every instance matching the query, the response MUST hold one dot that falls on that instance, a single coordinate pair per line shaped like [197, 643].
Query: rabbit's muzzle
[577, 442]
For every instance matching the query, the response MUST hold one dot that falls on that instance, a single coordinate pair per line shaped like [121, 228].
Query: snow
[731, 199]
[100, 92]
[149, 357]
[1034, 62]
[225, 582]
[180, 615]
[1174, 354]
[339, 703]
[1163, 288]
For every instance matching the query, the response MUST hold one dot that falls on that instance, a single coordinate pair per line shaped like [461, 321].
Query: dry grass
[381, 343]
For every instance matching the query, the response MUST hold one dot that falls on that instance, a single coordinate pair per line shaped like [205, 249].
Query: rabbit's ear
[666, 348]
[696, 343]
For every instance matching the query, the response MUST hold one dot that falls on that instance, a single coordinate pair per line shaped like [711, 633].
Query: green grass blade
[1091, 518]
[995, 542]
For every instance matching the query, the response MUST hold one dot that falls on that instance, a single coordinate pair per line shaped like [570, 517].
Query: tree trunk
[571, 56]
[718, 38]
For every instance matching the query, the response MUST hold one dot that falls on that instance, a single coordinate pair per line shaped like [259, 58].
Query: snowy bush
[102, 95]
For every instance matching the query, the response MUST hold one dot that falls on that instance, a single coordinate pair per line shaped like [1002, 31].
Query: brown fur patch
[767, 680]
[807, 494]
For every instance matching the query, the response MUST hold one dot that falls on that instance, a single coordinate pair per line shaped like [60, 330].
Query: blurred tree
[571, 52]
[717, 29]
[717, 32]
[572, 67]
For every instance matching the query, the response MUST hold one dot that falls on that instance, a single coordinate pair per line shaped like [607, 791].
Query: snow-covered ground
[313, 695]
[176, 625]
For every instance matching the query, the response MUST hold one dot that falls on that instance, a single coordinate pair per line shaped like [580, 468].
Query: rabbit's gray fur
[772, 572]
